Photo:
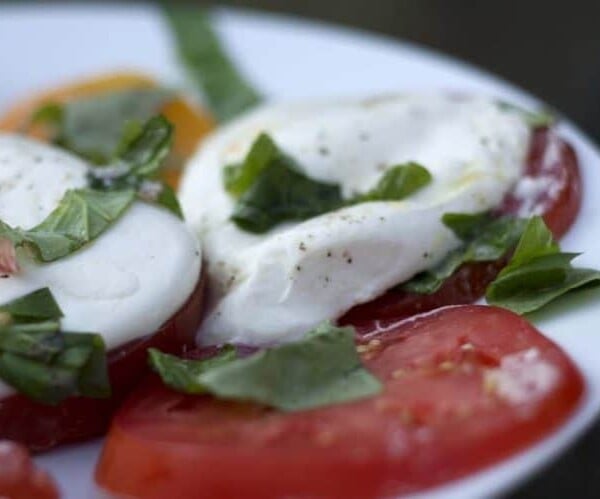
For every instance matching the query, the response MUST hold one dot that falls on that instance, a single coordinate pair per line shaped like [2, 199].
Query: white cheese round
[123, 285]
[276, 286]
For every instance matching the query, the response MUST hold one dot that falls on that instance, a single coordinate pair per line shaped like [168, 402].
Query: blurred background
[551, 49]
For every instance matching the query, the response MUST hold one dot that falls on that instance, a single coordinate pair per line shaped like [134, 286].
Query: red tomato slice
[19, 479]
[465, 386]
[41, 427]
[550, 159]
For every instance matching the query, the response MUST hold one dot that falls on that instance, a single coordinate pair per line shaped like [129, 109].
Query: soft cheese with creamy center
[127, 282]
[277, 286]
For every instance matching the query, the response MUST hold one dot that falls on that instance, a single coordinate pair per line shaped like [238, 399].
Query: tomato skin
[19, 478]
[436, 420]
[41, 427]
[469, 283]
[551, 156]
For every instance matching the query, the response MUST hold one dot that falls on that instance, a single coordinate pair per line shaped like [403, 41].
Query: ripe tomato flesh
[19, 478]
[464, 387]
[41, 427]
[551, 159]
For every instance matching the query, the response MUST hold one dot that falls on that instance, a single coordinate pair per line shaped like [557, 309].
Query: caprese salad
[343, 244]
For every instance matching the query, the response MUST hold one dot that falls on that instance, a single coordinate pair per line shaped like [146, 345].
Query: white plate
[286, 58]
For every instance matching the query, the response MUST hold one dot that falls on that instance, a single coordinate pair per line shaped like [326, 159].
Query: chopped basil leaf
[81, 216]
[141, 155]
[282, 193]
[183, 375]
[538, 273]
[239, 178]
[168, 199]
[226, 91]
[34, 340]
[93, 127]
[44, 363]
[321, 369]
[535, 119]
[484, 239]
[38, 305]
[397, 183]
[271, 188]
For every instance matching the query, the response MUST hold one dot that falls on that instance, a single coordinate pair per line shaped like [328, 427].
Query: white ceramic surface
[42, 45]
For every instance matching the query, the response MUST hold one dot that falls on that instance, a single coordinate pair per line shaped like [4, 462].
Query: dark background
[550, 48]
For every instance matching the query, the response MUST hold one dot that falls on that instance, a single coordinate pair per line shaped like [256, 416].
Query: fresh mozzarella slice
[277, 286]
[126, 283]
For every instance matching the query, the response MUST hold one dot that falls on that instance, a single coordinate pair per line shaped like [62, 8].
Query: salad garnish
[485, 239]
[226, 91]
[84, 214]
[94, 127]
[323, 368]
[43, 362]
[142, 154]
[80, 217]
[538, 272]
[270, 188]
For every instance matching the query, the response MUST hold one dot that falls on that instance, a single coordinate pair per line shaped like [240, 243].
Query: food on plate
[328, 227]
[463, 387]
[19, 478]
[96, 267]
[88, 116]
[344, 209]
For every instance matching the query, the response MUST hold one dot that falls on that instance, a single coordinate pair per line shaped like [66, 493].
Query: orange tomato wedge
[191, 122]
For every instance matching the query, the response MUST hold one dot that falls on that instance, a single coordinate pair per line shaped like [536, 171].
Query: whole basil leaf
[321, 369]
[537, 273]
[93, 127]
[81, 216]
[226, 91]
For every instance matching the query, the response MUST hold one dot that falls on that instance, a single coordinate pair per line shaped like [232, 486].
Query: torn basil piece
[141, 156]
[321, 369]
[226, 91]
[44, 363]
[271, 188]
[93, 127]
[81, 216]
[484, 239]
[537, 273]
[397, 183]
[38, 305]
[183, 375]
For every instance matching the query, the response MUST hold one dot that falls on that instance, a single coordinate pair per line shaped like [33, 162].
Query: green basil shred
[484, 238]
[94, 127]
[43, 362]
[225, 90]
[321, 369]
[80, 217]
[270, 188]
